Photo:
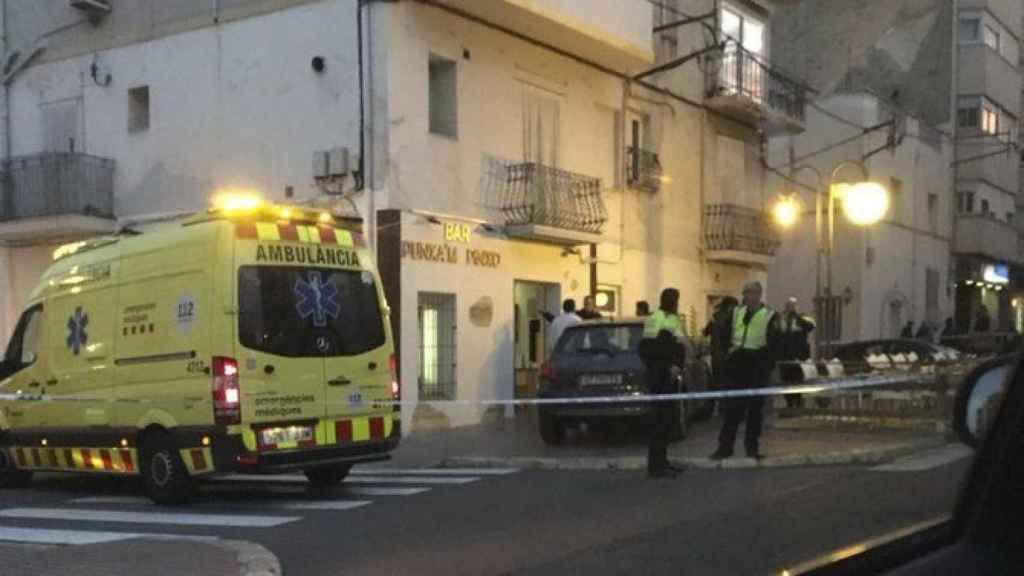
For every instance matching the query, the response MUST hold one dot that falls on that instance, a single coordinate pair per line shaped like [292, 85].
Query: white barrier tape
[831, 386]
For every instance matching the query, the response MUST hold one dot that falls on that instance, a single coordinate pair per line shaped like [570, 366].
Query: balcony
[738, 84]
[739, 235]
[546, 204]
[614, 33]
[986, 236]
[983, 71]
[55, 196]
[643, 170]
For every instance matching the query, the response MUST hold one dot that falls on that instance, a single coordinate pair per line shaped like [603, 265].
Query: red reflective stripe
[69, 457]
[126, 457]
[198, 460]
[22, 461]
[37, 458]
[108, 463]
[376, 428]
[327, 235]
[52, 456]
[288, 232]
[343, 430]
[245, 230]
[87, 459]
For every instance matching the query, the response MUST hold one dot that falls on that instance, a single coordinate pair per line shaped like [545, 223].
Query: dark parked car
[854, 355]
[601, 359]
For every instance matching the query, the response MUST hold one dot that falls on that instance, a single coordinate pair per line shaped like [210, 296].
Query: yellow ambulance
[248, 338]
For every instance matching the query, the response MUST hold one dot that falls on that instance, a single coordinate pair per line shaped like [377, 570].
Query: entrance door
[437, 349]
[532, 301]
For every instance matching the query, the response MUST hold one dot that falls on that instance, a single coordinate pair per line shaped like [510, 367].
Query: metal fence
[735, 71]
[643, 170]
[538, 194]
[57, 183]
[740, 228]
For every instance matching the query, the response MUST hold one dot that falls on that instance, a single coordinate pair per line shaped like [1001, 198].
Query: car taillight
[227, 407]
[546, 372]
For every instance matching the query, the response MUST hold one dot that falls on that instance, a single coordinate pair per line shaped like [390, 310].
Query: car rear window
[607, 339]
[294, 311]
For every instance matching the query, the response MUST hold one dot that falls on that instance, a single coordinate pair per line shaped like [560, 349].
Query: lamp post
[864, 203]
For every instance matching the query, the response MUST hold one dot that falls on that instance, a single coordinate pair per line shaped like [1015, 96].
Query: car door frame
[981, 514]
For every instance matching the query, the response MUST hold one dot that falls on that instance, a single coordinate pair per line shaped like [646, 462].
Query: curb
[253, 558]
[858, 456]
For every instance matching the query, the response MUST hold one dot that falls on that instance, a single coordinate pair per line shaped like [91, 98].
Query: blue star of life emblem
[77, 336]
[316, 298]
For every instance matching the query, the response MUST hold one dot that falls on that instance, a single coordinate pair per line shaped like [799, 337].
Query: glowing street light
[864, 203]
[786, 211]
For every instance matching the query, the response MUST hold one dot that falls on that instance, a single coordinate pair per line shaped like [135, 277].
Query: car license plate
[601, 379]
[285, 435]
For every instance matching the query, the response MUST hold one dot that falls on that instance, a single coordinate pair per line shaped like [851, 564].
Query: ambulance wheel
[10, 476]
[327, 477]
[163, 472]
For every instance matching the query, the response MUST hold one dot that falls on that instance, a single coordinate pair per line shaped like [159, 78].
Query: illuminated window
[989, 120]
[992, 38]
[437, 350]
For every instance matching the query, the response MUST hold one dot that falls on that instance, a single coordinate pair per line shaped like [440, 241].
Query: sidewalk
[516, 443]
[160, 557]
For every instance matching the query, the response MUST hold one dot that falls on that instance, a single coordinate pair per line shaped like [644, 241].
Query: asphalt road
[519, 522]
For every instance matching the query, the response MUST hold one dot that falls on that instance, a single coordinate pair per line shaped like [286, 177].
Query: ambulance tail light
[227, 406]
[396, 388]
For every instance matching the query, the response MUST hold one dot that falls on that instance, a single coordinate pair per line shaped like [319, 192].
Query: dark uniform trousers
[745, 369]
[663, 415]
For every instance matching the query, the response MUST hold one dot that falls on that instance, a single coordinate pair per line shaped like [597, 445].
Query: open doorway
[533, 301]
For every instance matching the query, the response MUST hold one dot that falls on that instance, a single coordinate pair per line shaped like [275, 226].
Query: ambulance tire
[327, 477]
[163, 472]
[10, 476]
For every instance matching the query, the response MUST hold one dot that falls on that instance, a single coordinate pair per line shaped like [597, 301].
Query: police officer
[755, 336]
[661, 348]
[794, 347]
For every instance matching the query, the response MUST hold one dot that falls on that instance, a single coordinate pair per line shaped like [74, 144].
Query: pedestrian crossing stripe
[110, 460]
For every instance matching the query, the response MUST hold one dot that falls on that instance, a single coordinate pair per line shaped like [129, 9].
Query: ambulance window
[292, 311]
[24, 346]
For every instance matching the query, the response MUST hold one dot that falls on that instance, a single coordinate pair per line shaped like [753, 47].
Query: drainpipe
[953, 201]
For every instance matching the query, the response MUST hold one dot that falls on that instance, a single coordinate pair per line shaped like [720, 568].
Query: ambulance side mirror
[28, 358]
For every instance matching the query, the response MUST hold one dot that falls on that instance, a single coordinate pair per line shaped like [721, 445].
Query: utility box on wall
[333, 163]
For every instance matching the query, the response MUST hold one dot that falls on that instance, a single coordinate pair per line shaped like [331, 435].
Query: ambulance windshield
[293, 311]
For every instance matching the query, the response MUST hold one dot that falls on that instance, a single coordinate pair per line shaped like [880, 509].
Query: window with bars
[437, 346]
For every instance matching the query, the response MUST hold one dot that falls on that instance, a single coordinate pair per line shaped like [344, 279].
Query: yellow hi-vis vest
[659, 321]
[752, 336]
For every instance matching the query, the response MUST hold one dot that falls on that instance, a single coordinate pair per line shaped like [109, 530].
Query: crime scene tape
[839, 384]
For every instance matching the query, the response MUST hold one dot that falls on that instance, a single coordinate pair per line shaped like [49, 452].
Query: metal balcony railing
[53, 184]
[737, 72]
[740, 229]
[546, 196]
[643, 169]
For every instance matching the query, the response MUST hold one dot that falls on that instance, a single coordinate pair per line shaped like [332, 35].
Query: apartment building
[987, 167]
[955, 67]
[888, 274]
[502, 155]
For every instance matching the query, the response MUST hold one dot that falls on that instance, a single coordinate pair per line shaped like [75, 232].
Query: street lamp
[864, 203]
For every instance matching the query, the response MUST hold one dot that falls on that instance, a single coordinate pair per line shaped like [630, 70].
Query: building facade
[502, 155]
[891, 273]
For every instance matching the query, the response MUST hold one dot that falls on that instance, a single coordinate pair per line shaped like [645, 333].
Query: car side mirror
[979, 398]
[28, 358]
